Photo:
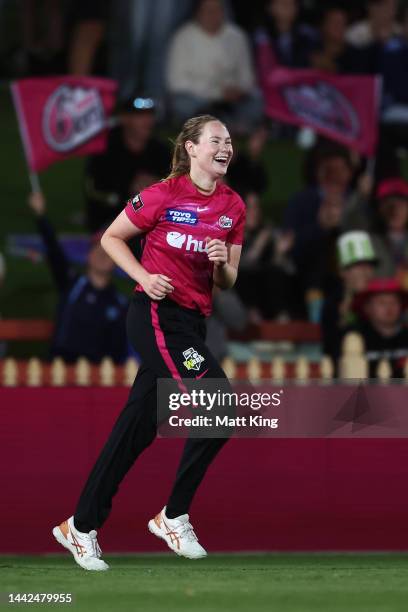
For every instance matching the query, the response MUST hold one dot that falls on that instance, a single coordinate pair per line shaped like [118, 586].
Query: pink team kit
[178, 220]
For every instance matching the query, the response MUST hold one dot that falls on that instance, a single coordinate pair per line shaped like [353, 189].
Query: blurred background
[315, 95]
[326, 248]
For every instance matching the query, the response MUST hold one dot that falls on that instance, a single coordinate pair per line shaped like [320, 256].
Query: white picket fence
[35, 373]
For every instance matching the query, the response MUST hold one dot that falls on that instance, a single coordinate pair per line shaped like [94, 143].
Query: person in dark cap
[91, 314]
[134, 159]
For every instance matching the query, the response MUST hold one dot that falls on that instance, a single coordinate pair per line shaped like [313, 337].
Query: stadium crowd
[338, 256]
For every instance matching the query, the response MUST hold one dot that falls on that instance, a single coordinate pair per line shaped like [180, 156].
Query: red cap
[376, 286]
[392, 187]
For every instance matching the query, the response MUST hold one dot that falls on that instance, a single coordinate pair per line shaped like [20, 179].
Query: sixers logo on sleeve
[136, 202]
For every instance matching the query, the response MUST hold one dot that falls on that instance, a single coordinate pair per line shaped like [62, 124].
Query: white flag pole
[25, 139]
[34, 182]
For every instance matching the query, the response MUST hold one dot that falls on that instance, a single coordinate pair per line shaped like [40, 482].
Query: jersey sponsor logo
[225, 222]
[137, 202]
[192, 359]
[188, 217]
[186, 242]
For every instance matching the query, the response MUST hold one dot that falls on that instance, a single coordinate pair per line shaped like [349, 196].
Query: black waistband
[168, 303]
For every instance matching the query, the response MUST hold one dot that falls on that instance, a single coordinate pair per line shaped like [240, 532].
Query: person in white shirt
[210, 66]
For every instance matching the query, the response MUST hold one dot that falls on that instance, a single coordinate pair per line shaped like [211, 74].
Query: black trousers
[160, 332]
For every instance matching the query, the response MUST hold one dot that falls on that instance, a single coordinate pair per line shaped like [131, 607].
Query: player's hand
[217, 251]
[157, 286]
[36, 202]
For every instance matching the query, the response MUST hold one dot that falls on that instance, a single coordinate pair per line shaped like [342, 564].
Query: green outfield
[221, 583]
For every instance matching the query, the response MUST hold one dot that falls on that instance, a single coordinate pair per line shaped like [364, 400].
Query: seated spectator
[334, 54]
[315, 215]
[391, 234]
[357, 263]
[388, 226]
[140, 31]
[210, 70]
[264, 263]
[246, 172]
[381, 307]
[380, 24]
[229, 313]
[42, 36]
[88, 41]
[90, 318]
[134, 159]
[290, 42]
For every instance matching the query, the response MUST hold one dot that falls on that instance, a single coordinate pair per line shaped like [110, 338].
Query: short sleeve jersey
[178, 219]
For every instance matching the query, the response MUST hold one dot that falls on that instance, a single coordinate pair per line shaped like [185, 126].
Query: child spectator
[357, 262]
[381, 307]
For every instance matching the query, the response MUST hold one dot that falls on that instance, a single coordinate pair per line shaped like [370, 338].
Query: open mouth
[222, 160]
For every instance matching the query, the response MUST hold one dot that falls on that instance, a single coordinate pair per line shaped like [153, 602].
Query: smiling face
[212, 153]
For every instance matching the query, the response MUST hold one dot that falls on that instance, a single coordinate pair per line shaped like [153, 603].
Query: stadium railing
[352, 365]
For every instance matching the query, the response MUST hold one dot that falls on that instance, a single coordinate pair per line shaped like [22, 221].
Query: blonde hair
[191, 130]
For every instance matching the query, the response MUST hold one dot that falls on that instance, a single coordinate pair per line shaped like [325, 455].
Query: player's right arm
[114, 242]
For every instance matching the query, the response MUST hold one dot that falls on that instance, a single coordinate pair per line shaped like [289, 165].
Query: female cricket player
[193, 226]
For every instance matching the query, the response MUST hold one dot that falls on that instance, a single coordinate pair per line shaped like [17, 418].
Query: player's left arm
[226, 260]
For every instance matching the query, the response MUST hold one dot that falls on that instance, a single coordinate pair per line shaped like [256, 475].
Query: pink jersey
[177, 219]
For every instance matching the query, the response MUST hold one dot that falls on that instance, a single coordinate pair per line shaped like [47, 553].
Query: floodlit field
[275, 582]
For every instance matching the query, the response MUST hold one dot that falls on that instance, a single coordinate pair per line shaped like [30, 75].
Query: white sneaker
[178, 533]
[84, 546]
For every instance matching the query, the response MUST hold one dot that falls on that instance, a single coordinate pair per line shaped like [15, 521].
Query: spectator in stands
[381, 307]
[357, 265]
[388, 226]
[246, 172]
[334, 54]
[229, 314]
[381, 24]
[134, 159]
[88, 40]
[265, 263]
[290, 41]
[391, 238]
[388, 57]
[90, 319]
[141, 30]
[210, 70]
[42, 36]
[315, 215]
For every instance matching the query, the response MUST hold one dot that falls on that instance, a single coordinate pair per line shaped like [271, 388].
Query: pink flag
[61, 117]
[343, 108]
